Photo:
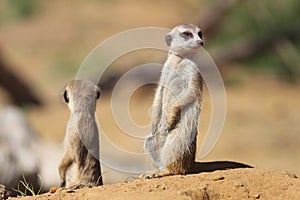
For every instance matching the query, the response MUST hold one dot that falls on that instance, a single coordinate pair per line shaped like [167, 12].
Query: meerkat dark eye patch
[200, 34]
[66, 96]
[187, 35]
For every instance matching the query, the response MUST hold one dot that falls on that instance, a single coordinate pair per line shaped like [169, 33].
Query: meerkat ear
[98, 92]
[168, 39]
[66, 96]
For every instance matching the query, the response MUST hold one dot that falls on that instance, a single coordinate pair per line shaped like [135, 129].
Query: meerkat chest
[176, 76]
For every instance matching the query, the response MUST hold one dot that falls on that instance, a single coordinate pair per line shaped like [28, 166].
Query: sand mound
[227, 184]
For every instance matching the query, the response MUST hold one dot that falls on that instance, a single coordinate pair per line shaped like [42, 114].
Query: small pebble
[53, 189]
[256, 196]
[219, 178]
[238, 184]
[288, 174]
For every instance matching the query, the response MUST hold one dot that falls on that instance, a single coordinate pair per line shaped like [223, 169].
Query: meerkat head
[186, 38]
[80, 94]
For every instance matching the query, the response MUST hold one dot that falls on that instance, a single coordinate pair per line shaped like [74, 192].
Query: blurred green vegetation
[259, 18]
[262, 20]
[23, 8]
[14, 10]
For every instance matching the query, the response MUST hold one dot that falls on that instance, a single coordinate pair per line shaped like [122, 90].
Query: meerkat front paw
[154, 130]
[173, 118]
[171, 123]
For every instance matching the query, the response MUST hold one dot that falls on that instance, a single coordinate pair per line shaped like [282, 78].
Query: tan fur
[176, 107]
[80, 163]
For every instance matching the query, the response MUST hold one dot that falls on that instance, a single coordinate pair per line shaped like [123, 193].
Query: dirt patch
[228, 184]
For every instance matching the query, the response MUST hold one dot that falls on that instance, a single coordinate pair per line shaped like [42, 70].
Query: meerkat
[80, 164]
[177, 104]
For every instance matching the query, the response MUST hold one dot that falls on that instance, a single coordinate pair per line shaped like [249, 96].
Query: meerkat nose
[201, 42]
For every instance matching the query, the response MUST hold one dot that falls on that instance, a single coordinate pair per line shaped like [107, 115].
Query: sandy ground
[229, 184]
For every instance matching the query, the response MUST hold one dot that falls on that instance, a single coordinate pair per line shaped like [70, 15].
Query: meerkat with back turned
[80, 164]
[177, 104]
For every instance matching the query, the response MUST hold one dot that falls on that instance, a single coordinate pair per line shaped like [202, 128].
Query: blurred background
[255, 44]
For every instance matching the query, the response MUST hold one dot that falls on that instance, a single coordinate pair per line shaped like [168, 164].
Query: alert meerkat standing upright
[176, 107]
[80, 164]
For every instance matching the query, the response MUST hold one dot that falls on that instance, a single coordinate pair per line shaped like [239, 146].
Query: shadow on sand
[216, 165]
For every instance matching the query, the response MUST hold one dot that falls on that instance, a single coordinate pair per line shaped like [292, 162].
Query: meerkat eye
[66, 96]
[200, 34]
[187, 34]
